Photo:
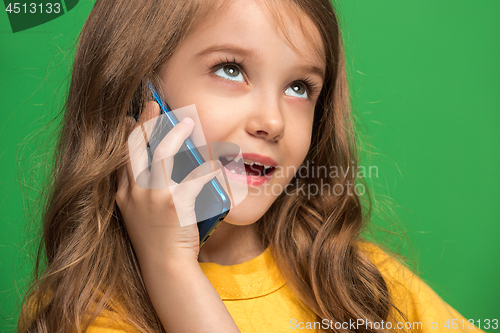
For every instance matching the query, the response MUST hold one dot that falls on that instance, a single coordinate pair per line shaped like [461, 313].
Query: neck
[231, 244]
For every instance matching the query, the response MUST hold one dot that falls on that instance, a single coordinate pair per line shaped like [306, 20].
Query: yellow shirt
[259, 299]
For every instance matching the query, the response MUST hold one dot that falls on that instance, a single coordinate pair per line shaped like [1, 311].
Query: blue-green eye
[297, 89]
[230, 72]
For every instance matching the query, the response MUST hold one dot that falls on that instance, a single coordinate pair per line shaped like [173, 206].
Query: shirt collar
[256, 277]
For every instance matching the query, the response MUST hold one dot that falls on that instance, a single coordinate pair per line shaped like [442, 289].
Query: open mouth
[251, 168]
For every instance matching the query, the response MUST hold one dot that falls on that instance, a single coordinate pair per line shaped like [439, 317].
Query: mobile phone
[212, 200]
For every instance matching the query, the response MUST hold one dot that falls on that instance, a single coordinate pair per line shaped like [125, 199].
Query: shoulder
[417, 302]
[403, 285]
[109, 322]
[389, 265]
[111, 319]
[405, 288]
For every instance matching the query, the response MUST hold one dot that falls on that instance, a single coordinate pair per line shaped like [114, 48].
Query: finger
[173, 141]
[148, 121]
[138, 141]
[125, 176]
[163, 158]
[184, 194]
[123, 183]
[192, 185]
[202, 170]
[132, 125]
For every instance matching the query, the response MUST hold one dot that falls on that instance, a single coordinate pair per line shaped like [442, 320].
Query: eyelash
[311, 87]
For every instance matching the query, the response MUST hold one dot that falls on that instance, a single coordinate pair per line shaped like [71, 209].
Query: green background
[425, 87]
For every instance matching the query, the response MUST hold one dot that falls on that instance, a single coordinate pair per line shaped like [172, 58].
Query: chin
[244, 214]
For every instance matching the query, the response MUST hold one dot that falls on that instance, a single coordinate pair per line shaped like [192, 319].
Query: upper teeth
[249, 162]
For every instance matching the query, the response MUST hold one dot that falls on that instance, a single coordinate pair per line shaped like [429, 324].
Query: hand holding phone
[149, 215]
[212, 203]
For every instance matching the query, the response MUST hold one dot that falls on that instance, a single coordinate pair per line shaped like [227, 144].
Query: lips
[254, 164]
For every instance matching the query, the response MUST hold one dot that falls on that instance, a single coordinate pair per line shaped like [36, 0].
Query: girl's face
[251, 88]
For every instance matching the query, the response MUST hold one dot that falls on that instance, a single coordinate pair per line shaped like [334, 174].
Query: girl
[269, 76]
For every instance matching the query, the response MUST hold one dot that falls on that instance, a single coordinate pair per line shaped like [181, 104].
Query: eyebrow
[226, 48]
[251, 54]
[313, 69]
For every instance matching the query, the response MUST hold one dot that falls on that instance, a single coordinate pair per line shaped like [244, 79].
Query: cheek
[212, 134]
[296, 152]
[301, 138]
[214, 120]
[302, 149]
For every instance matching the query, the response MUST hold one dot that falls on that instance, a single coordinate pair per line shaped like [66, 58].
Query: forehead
[291, 21]
[251, 21]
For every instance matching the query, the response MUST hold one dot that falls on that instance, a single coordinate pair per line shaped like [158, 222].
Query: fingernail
[187, 120]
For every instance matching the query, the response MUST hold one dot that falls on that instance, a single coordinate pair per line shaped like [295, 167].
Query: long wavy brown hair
[85, 263]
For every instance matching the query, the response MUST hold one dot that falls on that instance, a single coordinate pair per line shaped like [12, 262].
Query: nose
[266, 119]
